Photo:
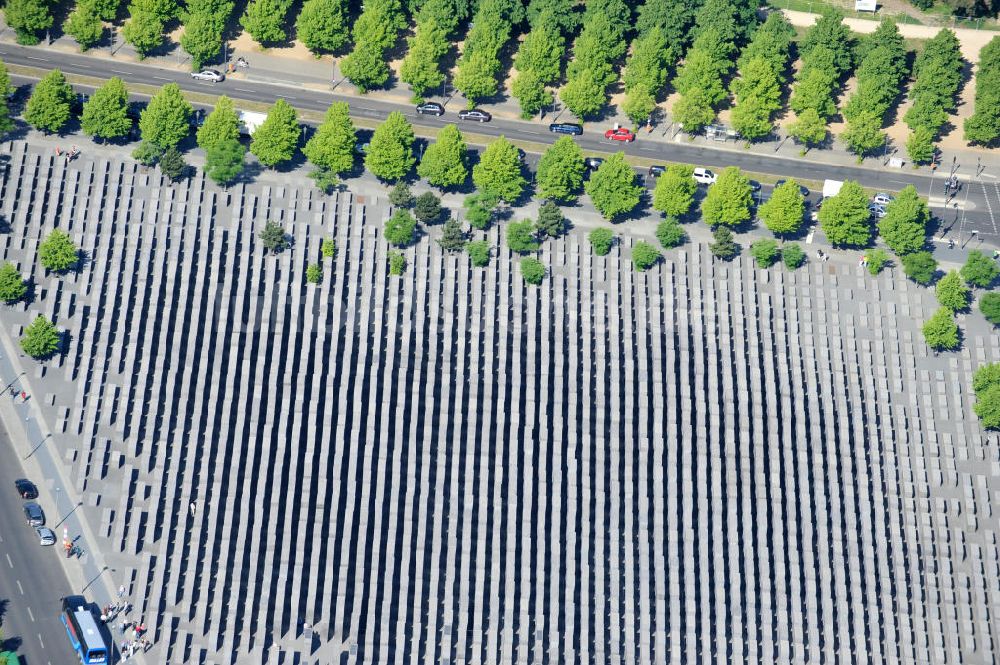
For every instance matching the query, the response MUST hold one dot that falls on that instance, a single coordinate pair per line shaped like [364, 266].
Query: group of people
[109, 612]
[68, 154]
[129, 647]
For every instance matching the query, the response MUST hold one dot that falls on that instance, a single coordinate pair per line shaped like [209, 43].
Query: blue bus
[83, 631]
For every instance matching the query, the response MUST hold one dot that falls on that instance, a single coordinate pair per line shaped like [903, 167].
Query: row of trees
[539, 63]
[600, 45]
[983, 126]
[375, 32]
[763, 67]
[937, 74]
[479, 65]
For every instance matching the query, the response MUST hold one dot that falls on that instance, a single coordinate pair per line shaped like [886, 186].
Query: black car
[33, 514]
[198, 117]
[656, 170]
[566, 128]
[478, 115]
[593, 163]
[78, 101]
[754, 185]
[430, 108]
[26, 488]
[804, 191]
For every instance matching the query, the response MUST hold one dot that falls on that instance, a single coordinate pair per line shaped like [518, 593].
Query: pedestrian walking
[121, 591]
[194, 507]
[24, 396]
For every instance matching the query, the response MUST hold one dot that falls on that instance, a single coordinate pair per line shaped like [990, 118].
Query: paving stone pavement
[706, 462]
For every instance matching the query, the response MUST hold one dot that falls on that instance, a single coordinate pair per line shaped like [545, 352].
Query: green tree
[989, 305]
[324, 179]
[583, 95]
[106, 9]
[645, 256]
[542, 51]
[28, 18]
[165, 122]
[105, 114]
[397, 263]
[6, 122]
[531, 92]
[421, 67]
[877, 259]
[783, 212]
[332, 146]
[645, 74]
[694, 111]
[84, 25]
[601, 239]
[147, 153]
[12, 286]
[224, 161]
[952, 292]
[273, 238]
[202, 37]
[723, 245]
[401, 196]
[41, 338]
[864, 133]
[919, 266]
[499, 171]
[844, 218]
[980, 270]
[479, 252]
[808, 128]
[937, 74]
[560, 171]
[793, 256]
[222, 124]
[314, 273]
[322, 26]
[920, 145]
[613, 188]
[401, 228]
[941, 331]
[58, 252]
[550, 220]
[427, 208]
[445, 162]
[815, 90]
[264, 20]
[532, 270]
[674, 192]
[49, 107]
[765, 252]
[670, 233]
[476, 76]
[172, 164]
[328, 248]
[365, 67]
[452, 238]
[728, 201]
[277, 138]
[521, 236]
[758, 96]
[144, 29]
[904, 227]
[390, 154]
[562, 14]
[830, 33]
[986, 384]
[983, 126]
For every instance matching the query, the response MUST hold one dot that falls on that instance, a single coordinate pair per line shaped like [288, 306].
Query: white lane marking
[160, 78]
[244, 90]
[19, 587]
[362, 108]
[989, 175]
[526, 131]
[115, 71]
[30, 614]
[9, 562]
[31, 57]
[42, 643]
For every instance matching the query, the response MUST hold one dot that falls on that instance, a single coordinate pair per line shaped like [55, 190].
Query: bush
[479, 252]
[147, 153]
[989, 305]
[669, 233]
[793, 256]
[328, 248]
[400, 195]
[273, 237]
[427, 208]
[400, 229]
[877, 260]
[521, 236]
[172, 164]
[601, 239]
[764, 252]
[40, 339]
[644, 256]
[314, 273]
[986, 385]
[532, 270]
[920, 267]
[723, 245]
[980, 270]
[57, 252]
[397, 263]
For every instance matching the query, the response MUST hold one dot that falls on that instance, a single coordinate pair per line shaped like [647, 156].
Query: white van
[704, 176]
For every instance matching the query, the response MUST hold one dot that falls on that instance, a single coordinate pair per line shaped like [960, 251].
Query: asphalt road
[978, 214]
[32, 581]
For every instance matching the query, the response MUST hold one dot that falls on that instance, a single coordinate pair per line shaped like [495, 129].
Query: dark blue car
[566, 128]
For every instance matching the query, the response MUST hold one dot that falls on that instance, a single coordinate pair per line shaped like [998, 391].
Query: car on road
[430, 108]
[26, 489]
[877, 210]
[620, 134]
[882, 199]
[656, 170]
[593, 163]
[804, 191]
[476, 115]
[33, 514]
[570, 128]
[208, 75]
[704, 176]
[45, 536]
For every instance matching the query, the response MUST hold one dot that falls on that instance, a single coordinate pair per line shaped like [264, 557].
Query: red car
[620, 134]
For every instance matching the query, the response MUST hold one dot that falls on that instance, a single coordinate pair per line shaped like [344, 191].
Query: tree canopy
[58, 252]
[980, 270]
[222, 124]
[421, 67]
[323, 25]
[390, 153]
[12, 286]
[28, 19]
[105, 114]
[674, 192]
[277, 138]
[560, 171]
[332, 146]
[499, 171]
[728, 201]
[49, 107]
[941, 331]
[41, 338]
[445, 162]
[165, 121]
[986, 385]
[983, 126]
[904, 227]
[845, 218]
[784, 211]
[952, 292]
[613, 188]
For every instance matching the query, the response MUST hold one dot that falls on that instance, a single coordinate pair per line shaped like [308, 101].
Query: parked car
[620, 134]
[877, 210]
[477, 115]
[45, 536]
[208, 75]
[802, 190]
[704, 176]
[33, 514]
[362, 148]
[198, 117]
[430, 108]
[566, 128]
[754, 186]
[593, 163]
[78, 101]
[26, 488]
[656, 170]
[882, 199]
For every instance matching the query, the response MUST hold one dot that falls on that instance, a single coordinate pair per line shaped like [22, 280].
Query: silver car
[208, 75]
[33, 514]
[45, 536]
[882, 199]
[876, 210]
